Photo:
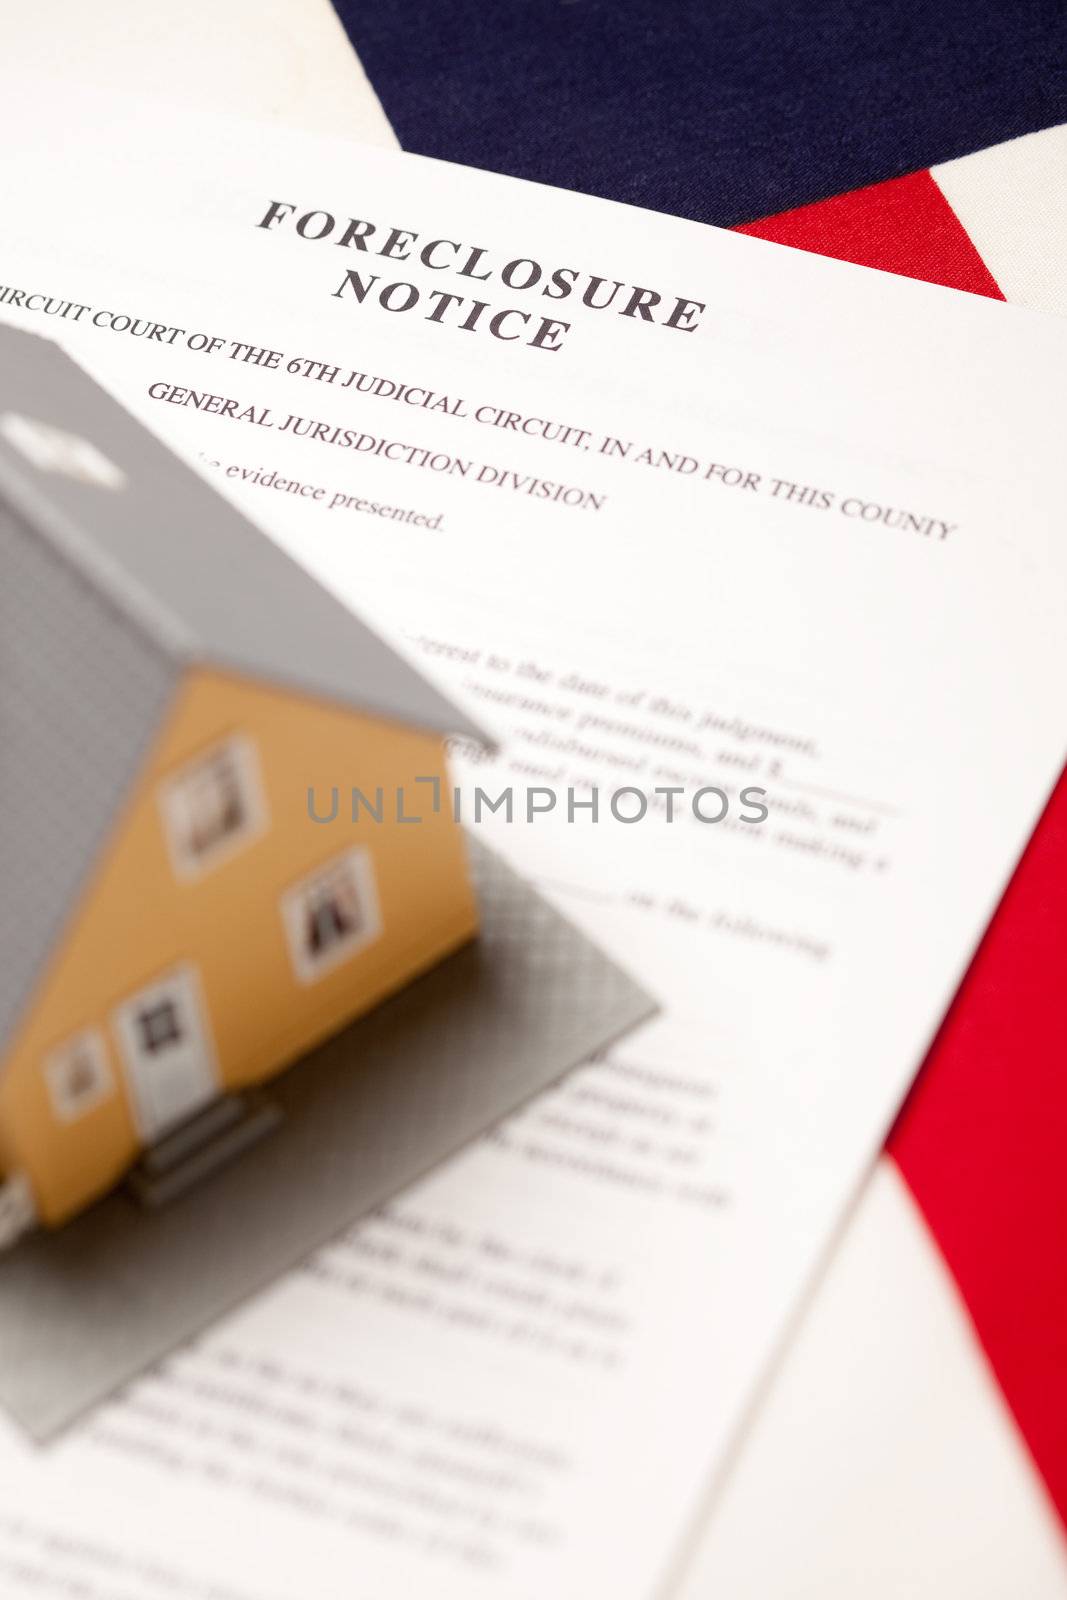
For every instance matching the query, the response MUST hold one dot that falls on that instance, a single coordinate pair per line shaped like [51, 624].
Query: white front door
[166, 1050]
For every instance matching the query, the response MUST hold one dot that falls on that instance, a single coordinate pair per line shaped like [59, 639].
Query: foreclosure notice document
[755, 563]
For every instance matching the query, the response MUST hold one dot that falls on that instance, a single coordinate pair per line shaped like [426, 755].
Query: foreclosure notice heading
[754, 562]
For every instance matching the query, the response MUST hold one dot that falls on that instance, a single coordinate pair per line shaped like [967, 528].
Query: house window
[78, 1076]
[331, 915]
[213, 806]
[52, 450]
[158, 1026]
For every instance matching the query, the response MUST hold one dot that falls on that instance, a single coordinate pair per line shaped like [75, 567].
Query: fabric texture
[902, 226]
[982, 1139]
[1012, 200]
[982, 1144]
[720, 112]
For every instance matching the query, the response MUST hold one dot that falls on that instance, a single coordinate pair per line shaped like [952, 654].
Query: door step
[201, 1145]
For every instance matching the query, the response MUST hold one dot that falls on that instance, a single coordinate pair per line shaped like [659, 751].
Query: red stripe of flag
[982, 1139]
[905, 226]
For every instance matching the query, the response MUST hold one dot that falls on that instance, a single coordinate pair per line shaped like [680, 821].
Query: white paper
[521, 1378]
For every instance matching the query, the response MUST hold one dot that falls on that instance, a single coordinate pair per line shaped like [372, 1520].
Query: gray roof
[65, 764]
[183, 562]
[105, 597]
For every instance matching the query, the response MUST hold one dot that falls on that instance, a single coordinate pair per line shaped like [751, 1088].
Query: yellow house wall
[137, 919]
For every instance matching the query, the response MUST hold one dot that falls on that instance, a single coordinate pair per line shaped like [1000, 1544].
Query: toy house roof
[107, 594]
[183, 563]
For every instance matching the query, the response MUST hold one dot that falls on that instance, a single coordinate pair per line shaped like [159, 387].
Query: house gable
[291, 927]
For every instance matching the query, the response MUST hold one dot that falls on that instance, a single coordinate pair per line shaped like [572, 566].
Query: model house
[175, 924]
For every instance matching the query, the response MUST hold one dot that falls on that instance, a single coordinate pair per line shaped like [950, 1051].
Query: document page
[754, 564]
